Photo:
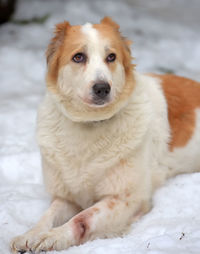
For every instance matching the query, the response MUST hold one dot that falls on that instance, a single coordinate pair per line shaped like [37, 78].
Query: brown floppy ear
[108, 21]
[60, 32]
[127, 44]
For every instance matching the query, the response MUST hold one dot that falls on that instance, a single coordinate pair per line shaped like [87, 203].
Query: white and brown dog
[108, 137]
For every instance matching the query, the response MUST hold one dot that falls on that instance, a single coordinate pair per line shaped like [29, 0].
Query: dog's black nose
[101, 90]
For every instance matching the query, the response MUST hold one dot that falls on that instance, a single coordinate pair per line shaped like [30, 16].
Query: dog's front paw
[52, 240]
[21, 244]
[24, 243]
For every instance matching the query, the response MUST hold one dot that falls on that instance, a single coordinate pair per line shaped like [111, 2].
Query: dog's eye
[79, 58]
[111, 58]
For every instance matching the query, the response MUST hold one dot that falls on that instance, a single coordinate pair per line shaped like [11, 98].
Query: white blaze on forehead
[96, 68]
[90, 31]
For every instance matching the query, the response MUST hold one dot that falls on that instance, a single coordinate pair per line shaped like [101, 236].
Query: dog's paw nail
[22, 251]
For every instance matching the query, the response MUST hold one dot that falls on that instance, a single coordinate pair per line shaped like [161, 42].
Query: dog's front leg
[107, 218]
[58, 213]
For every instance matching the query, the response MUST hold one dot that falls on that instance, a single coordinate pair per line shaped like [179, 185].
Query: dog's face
[89, 70]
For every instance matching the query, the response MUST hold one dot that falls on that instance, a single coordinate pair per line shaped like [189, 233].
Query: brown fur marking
[111, 204]
[123, 162]
[64, 44]
[95, 209]
[116, 196]
[183, 97]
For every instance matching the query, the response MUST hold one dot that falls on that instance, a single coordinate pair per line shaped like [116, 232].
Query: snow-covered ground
[166, 39]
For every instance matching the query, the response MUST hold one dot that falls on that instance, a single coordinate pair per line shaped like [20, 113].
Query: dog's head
[90, 74]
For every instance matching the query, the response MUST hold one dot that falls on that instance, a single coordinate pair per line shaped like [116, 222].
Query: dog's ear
[108, 21]
[60, 33]
[127, 44]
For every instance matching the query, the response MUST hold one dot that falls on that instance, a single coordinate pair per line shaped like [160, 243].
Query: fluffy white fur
[101, 174]
[91, 163]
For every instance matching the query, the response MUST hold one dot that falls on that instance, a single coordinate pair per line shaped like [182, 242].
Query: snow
[165, 39]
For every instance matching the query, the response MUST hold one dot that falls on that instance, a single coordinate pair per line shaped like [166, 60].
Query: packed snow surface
[166, 39]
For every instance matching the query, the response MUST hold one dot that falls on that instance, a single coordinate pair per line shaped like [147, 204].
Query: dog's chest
[82, 162]
[81, 178]
[83, 153]
[81, 189]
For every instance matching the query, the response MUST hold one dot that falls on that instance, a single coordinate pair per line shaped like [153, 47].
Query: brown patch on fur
[57, 40]
[64, 44]
[183, 97]
[108, 21]
[53, 50]
[123, 162]
[127, 204]
[116, 196]
[111, 204]
[112, 201]
[95, 209]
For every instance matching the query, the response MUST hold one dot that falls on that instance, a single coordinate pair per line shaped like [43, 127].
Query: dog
[108, 136]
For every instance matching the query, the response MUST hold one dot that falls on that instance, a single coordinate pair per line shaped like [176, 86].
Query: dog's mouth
[100, 102]
[96, 102]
